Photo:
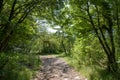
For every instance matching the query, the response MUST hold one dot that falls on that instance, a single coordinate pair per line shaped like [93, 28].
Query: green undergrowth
[18, 66]
[91, 72]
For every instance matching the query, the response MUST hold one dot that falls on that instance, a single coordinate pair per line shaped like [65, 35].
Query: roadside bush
[16, 66]
[87, 51]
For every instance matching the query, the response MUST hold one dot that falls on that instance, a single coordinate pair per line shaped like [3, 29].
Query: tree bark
[112, 64]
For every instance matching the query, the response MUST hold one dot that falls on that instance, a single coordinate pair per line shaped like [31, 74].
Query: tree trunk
[108, 48]
[5, 37]
[4, 42]
[63, 46]
[1, 5]
[112, 64]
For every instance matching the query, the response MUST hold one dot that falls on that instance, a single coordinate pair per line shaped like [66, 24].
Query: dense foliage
[86, 31]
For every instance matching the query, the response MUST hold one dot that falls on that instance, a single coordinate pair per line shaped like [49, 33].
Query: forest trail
[55, 68]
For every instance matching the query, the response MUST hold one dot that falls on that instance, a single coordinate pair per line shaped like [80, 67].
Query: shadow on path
[54, 68]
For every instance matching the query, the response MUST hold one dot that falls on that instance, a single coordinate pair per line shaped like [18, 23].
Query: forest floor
[55, 68]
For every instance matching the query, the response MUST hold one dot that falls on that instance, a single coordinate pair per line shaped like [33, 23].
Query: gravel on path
[54, 68]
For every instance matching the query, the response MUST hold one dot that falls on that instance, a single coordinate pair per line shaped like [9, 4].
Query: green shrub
[86, 51]
[88, 57]
[18, 66]
[25, 74]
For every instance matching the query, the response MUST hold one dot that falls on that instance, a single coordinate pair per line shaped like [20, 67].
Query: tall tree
[15, 16]
[100, 16]
[16, 11]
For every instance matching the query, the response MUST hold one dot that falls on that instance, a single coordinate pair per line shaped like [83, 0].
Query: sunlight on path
[54, 68]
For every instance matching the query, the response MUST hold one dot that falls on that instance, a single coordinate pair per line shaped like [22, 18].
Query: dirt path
[54, 68]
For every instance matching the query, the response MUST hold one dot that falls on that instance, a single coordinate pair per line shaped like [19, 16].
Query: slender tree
[99, 15]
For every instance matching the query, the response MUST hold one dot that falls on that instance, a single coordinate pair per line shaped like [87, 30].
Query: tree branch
[12, 10]
[96, 31]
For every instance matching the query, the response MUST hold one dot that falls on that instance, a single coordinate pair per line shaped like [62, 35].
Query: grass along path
[55, 68]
